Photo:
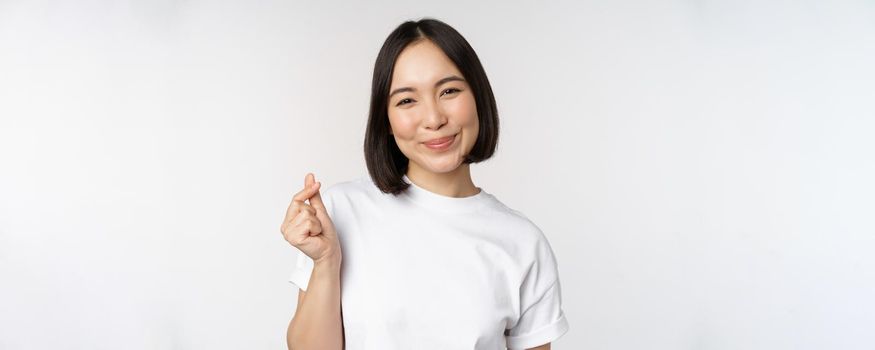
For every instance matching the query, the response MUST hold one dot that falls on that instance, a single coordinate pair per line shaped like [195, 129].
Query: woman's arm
[317, 323]
[542, 347]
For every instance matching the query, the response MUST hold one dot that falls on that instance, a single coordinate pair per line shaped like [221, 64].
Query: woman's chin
[440, 166]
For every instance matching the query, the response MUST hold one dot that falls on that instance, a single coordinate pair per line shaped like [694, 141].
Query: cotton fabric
[427, 271]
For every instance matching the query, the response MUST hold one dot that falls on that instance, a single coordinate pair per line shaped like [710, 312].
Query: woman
[429, 260]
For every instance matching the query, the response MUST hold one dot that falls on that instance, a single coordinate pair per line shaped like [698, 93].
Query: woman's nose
[434, 117]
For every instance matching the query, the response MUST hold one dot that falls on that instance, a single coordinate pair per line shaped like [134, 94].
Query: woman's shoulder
[521, 231]
[359, 184]
[351, 190]
[515, 218]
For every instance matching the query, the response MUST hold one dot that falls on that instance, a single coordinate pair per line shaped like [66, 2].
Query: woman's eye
[449, 91]
[404, 102]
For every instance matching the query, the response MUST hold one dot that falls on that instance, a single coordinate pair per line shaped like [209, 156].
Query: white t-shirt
[426, 271]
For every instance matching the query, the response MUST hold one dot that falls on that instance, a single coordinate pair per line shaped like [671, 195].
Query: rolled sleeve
[542, 321]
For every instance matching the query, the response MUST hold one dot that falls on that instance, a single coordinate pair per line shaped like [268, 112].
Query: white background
[703, 169]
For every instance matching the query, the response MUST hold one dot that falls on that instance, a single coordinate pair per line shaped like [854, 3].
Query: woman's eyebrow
[438, 83]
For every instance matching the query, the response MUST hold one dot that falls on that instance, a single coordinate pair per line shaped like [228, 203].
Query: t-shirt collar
[443, 203]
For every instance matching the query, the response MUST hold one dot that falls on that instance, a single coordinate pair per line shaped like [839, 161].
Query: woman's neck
[456, 183]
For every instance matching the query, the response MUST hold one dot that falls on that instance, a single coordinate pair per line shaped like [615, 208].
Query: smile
[441, 144]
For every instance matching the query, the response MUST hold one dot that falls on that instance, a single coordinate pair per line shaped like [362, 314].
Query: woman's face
[429, 99]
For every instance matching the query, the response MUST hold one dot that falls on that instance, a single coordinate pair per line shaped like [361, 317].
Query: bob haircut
[386, 164]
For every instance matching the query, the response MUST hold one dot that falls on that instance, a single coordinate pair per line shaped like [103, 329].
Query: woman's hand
[308, 227]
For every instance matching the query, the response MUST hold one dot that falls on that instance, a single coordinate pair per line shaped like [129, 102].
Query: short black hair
[386, 164]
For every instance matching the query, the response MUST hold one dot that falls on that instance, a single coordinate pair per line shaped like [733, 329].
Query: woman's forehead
[422, 63]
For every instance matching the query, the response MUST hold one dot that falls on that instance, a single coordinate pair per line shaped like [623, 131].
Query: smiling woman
[433, 119]
[428, 84]
[429, 260]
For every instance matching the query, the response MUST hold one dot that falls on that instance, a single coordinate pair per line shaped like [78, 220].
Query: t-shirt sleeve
[541, 319]
[300, 275]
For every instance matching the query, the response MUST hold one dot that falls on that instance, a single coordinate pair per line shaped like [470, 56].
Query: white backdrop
[702, 169]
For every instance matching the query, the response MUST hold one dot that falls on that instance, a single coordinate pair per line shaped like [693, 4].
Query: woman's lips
[440, 144]
[439, 141]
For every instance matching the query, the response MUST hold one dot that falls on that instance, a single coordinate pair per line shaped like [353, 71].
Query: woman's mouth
[440, 144]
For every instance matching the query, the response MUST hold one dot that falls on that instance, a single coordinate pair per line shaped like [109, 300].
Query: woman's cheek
[463, 109]
[403, 125]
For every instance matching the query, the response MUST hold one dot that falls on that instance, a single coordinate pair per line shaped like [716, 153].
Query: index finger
[300, 197]
[306, 193]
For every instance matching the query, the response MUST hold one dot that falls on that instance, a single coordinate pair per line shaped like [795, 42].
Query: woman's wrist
[328, 261]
